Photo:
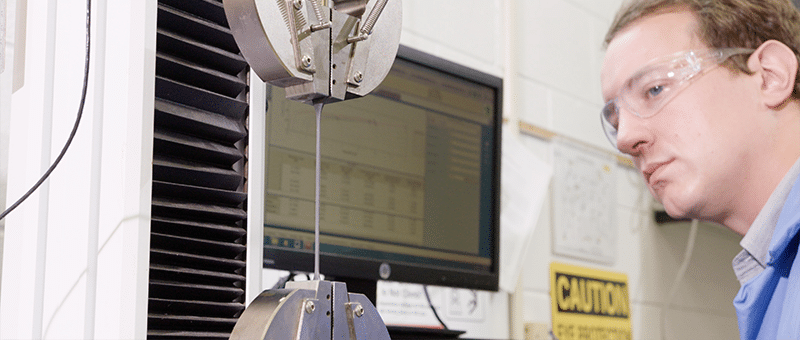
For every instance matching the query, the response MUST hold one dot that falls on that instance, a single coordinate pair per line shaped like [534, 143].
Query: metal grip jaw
[319, 53]
[310, 310]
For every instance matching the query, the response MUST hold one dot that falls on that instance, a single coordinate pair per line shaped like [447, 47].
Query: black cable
[428, 297]
[77, 120]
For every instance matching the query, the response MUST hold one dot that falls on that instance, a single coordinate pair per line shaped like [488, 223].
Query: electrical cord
[77, 119]
[428, 297]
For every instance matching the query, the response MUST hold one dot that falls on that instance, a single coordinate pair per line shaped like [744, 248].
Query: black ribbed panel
[198, 227]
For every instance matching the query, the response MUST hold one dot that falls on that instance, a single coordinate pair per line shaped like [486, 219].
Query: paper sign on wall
[584, 202]
[589, 303]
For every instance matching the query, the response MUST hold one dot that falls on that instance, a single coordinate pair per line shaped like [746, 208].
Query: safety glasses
[650, 89]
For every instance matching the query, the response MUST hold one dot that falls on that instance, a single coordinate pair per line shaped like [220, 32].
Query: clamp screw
[358, 77]
[359, 311]
[306, 60]
[310, 307]
[298, 4]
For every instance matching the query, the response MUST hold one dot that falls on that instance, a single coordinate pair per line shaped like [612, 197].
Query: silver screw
[310, 307]
[298, 4]
[359, 311]
[358, 77]
[306, 60]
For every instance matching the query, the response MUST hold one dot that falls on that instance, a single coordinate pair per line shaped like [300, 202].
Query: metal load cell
[320, 51]
[310, 310]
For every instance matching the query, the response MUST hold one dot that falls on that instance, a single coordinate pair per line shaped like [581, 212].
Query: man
[704, 95]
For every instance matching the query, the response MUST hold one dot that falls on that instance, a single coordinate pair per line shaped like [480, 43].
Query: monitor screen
[409, 181]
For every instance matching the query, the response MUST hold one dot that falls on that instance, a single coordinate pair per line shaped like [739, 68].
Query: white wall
[558, 46]
[6, 48]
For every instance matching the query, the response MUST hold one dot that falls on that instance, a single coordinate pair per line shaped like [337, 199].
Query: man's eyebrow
[633, 79]
[640, 74]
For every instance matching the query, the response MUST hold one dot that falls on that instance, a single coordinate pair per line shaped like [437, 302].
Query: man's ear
[777, 65]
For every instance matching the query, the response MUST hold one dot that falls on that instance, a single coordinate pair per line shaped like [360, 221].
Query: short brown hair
[727, 23]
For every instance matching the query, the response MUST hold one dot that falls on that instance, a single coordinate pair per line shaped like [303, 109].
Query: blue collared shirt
[752, 260]
[768, 303]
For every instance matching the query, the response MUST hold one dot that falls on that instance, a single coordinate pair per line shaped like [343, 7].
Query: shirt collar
[758, 237]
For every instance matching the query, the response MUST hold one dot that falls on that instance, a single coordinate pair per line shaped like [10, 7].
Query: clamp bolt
[358, 77]
[306, 60]
[359, 311]
[310, 307]
[298, 4]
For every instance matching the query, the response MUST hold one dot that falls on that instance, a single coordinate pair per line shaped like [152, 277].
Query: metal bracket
[310, 310]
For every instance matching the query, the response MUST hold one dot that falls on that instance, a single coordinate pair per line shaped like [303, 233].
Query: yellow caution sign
[589, 304]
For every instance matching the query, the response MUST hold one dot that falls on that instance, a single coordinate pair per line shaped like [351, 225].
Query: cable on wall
[687, 255]
[75, 126]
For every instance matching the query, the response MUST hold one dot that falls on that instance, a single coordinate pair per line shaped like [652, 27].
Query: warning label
[589, 303]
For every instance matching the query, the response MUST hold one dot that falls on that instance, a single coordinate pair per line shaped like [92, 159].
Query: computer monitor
[409, 183]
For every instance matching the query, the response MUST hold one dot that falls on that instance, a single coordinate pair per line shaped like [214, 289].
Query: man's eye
[655, 90]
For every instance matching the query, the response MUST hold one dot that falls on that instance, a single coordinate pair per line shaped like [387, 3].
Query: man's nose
[632, 134]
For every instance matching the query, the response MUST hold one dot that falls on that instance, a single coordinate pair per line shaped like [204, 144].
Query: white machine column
[52, 287]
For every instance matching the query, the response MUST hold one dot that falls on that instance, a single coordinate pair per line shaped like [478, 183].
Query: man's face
[694, 153]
